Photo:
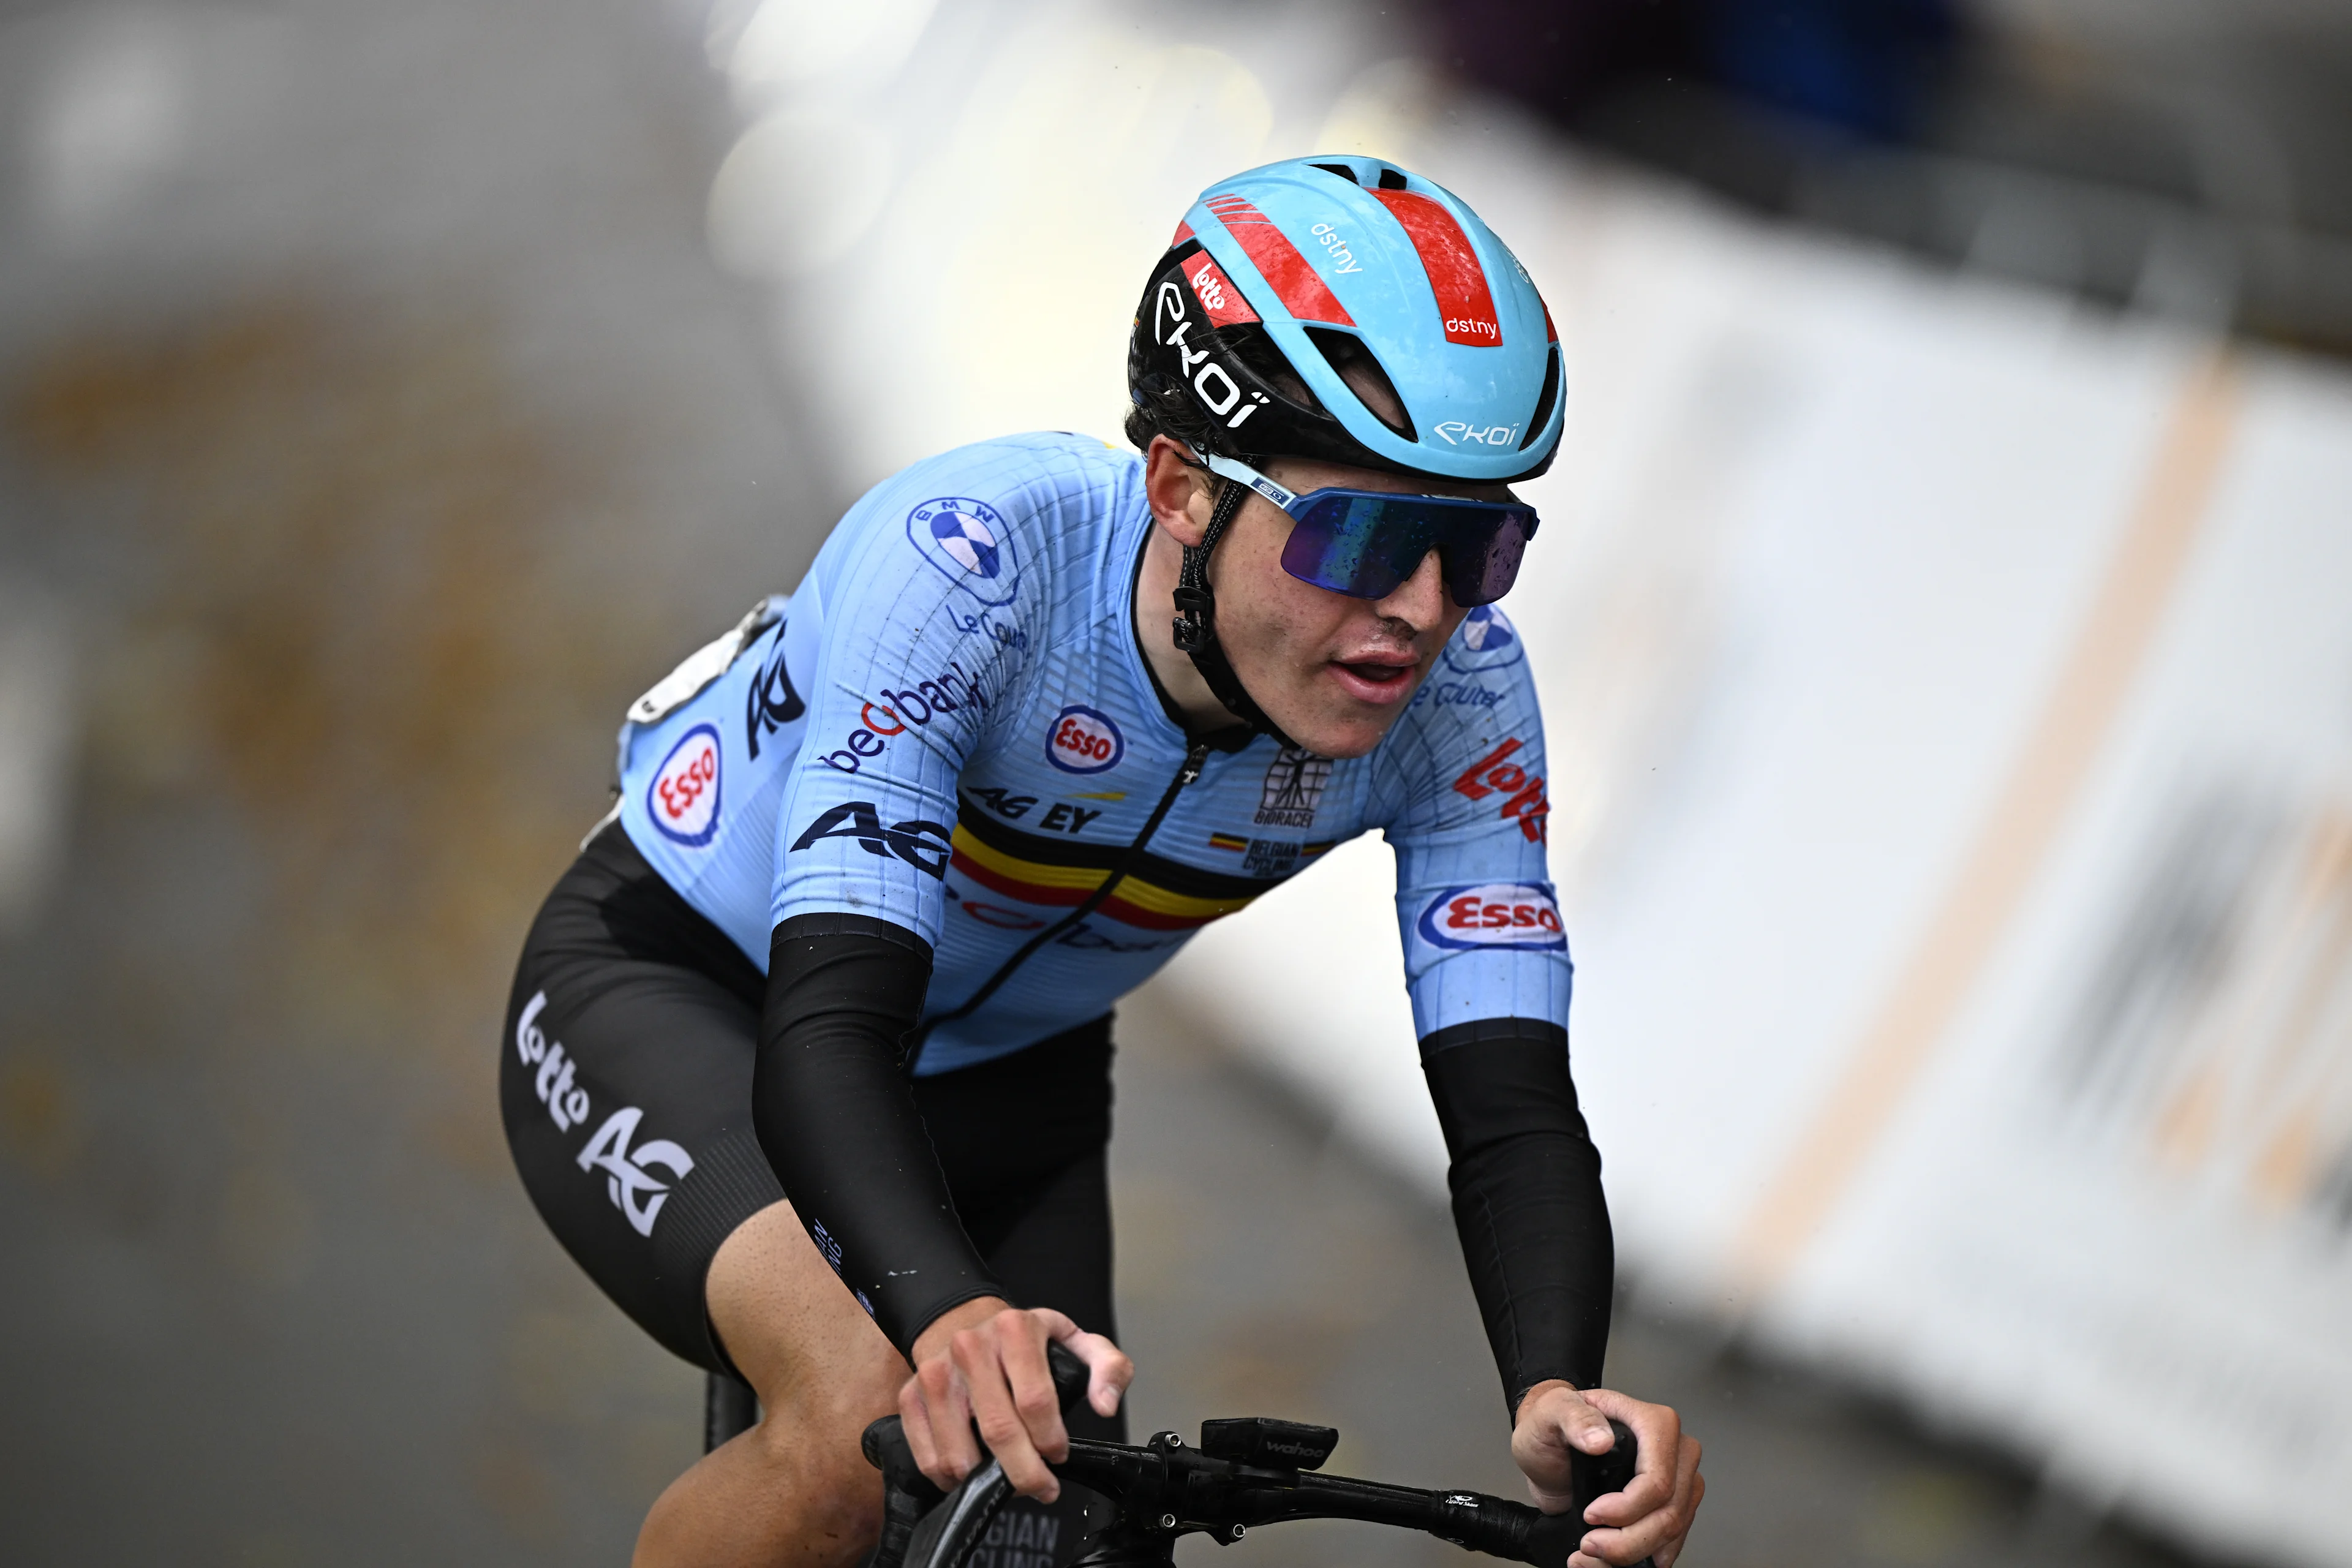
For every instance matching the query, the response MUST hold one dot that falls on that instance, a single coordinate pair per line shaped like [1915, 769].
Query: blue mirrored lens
[1364, 544]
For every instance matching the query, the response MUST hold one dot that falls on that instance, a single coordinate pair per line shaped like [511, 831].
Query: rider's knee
[815, 1433]
[816, 1454]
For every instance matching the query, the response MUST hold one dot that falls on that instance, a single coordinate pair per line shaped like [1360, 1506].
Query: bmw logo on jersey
[1487, 640]
[970, 544]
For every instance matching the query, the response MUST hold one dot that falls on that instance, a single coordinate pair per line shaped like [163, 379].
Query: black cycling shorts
[626, 1092]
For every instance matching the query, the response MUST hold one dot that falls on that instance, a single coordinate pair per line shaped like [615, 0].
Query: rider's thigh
[822, 1369]
[631, 1038]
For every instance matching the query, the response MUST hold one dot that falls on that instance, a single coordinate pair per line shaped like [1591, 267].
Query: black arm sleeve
[831, 1104]
[1527, 1198]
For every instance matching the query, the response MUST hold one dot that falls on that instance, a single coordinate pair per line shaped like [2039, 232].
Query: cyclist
[807, 1059]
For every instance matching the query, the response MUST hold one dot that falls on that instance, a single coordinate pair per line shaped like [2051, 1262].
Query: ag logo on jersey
[1487, 640]
[1493, 914]
[683, 798]
[968, 542]
[1082, 741]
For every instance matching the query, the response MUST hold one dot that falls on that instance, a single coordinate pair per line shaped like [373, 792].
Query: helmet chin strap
[1196, 616]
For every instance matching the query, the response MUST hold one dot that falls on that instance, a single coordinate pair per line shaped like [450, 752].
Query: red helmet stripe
[1454, 275]
[1183, 233]
[1551, 333]
[1295, 282]
[1216, 293]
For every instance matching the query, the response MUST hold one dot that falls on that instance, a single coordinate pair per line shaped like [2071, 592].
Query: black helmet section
[1210, 373]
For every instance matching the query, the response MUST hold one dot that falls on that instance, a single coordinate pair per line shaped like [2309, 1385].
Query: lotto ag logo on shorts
[1487, 640]
[1493, 914]
[969, 543]
[1082, 741]
[683, 799]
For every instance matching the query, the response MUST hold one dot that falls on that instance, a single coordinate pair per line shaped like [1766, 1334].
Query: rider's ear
[1177, 490]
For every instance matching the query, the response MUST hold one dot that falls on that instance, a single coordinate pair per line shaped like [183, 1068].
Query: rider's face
[1334, 672]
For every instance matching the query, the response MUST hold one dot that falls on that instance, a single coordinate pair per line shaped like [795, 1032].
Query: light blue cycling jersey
[948, 726]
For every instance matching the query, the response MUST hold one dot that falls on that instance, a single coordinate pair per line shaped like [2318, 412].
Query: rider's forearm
[1527, 1200]
[831, 1105]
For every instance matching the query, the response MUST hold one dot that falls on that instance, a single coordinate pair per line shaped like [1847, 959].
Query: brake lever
[908, 1494]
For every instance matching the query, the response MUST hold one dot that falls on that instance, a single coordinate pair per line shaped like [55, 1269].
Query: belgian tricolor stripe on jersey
[1159, 895]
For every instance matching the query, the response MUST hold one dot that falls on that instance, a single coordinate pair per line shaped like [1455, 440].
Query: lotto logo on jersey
[970, 544]
[1487, 640]
[683, 798]
[1083, 740]
[1493, 914]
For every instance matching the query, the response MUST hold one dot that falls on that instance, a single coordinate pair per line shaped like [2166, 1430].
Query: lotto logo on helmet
[1083, 740]
[683, 798]
[1493, 914]
[1487, 640]
[1216, 293]
[970, 544]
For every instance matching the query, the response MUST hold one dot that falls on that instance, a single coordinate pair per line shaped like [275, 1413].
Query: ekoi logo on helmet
[1493, 914]
[1211, 382]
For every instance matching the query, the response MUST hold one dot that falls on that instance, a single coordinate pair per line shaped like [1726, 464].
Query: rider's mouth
[1375, 680]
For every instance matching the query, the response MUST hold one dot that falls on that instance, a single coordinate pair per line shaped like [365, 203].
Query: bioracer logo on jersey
[1493, 914]
[683, 798]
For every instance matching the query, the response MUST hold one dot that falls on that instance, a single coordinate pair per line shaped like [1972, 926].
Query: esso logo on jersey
[683, 798]
[1083, 742]
[1493, 914]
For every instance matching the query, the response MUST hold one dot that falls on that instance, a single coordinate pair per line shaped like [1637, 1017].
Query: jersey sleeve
[929, 592]
[1481, 927]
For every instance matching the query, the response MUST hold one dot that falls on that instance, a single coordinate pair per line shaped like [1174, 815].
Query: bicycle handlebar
[1164, 1489]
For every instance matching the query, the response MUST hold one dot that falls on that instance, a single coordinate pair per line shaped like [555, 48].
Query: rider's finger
[999, 1421]
[1658, 1432]
[1687, 1506]
[949, 1413]
[1657, 1528]
[1581, 1426]
[915, 1421]
[1112, 1371]
[1031, 1380]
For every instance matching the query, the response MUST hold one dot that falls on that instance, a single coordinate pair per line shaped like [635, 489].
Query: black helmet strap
[1196, 618]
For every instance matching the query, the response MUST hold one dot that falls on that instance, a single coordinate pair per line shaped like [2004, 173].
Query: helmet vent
[1544, 400]
[1347, 355]
[1392, 179]
[1341, 170]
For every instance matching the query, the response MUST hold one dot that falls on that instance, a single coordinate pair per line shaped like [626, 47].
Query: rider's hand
[985, 1362]
[1653, 1514]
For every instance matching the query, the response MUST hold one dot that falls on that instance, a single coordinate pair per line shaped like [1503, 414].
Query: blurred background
[1944, 623]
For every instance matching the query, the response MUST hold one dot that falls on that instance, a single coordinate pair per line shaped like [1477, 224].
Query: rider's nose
[1420, 600]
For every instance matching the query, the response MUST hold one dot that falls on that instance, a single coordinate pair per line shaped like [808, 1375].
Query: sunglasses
[1365, 543]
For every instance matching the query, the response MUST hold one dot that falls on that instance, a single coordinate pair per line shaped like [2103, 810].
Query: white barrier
[1949, 699]
[1950, 705]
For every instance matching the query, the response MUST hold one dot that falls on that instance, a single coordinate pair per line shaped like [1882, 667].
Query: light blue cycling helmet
[1280, 278]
